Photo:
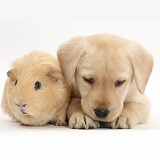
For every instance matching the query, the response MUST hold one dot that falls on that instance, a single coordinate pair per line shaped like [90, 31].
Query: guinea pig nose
[21, 105]
[101, 113]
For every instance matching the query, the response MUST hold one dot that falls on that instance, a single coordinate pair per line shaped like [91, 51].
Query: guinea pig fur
[35, 92]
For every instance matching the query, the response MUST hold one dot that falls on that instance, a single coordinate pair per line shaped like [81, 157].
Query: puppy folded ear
[69, 54]
[142, 63]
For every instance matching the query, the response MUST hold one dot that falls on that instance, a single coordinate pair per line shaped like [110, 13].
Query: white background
[43, 25]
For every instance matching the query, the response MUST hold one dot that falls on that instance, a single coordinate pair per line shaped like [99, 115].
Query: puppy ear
[142, 63]
[69, 54]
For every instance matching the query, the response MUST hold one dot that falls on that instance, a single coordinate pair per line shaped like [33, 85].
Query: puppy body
[108, 75]
[35, 92]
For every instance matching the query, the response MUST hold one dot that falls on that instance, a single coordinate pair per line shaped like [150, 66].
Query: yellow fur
[47, 104]
[106, 58]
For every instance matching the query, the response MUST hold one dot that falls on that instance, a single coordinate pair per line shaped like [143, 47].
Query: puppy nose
[101, 113]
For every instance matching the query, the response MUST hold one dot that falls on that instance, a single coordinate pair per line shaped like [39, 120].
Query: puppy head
[104, 69]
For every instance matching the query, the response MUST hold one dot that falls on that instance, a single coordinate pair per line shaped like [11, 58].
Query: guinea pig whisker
[17, 104]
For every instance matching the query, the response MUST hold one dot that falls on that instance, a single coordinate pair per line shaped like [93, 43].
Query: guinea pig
[35, 91]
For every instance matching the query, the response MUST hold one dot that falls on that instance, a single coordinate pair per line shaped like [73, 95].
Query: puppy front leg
[133, 113]
[77, 118]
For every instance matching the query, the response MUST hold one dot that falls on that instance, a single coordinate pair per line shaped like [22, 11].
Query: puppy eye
[88, 80]
[119, 83]
[37, 85]
[15, 83]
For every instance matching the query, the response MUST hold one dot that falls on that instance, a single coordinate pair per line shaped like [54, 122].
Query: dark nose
[101, 113]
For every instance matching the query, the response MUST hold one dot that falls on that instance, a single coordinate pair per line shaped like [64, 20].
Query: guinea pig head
[34, 90]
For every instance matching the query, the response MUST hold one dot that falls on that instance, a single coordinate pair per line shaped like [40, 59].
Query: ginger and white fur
[31, 106]
[106, 59]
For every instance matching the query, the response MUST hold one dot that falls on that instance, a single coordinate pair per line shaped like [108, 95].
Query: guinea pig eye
[37, 85]
[15, 83]
[88, 80]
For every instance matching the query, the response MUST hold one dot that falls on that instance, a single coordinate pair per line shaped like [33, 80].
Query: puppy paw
[80, 121]
[122, 122]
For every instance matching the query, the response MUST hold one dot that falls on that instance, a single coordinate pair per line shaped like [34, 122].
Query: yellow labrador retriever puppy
[108, 76]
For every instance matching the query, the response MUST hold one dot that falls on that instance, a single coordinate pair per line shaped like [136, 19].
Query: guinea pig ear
[11, 74]
[52, 75]
[142, 63]
[69, 54]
